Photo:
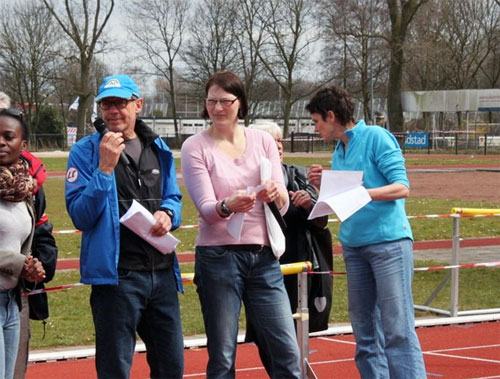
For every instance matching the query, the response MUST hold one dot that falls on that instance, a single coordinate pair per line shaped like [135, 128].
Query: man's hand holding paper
[144, 224]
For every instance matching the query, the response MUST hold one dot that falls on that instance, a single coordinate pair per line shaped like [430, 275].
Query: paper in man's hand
[341, 193]
[139, 220]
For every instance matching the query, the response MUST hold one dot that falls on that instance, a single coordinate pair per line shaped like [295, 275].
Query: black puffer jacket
[44, 245]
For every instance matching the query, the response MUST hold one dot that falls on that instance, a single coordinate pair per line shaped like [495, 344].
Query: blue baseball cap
[118, 86]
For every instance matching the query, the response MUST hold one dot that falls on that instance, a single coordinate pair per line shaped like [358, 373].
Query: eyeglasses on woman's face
[117, 103]
[223, 102]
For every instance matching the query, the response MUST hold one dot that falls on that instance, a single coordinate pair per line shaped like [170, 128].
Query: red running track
[74, 263]
[457, 351]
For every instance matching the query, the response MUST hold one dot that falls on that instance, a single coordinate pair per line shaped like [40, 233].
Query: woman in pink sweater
[221, 170]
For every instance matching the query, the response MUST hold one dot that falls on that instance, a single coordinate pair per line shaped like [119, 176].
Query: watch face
[224, 208]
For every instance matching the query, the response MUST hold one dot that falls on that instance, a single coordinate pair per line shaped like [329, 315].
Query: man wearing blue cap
[134, 286]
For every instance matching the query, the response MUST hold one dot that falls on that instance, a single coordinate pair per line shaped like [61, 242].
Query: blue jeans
[226, 277]
[146, 302]
[9, 340]
[381, 275]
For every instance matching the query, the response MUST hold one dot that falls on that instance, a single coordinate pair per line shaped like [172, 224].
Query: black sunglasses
[11, 112]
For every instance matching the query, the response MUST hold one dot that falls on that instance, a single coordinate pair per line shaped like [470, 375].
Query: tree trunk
[401, 13]
[83, 102]
[394, 107]
[287, 109]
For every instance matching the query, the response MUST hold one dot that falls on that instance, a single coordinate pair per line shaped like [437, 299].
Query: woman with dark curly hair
[16, 233]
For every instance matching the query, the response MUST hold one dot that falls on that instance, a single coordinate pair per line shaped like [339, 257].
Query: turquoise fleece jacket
[376, 152]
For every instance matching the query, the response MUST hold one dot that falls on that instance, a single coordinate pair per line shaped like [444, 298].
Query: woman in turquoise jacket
[377, 241]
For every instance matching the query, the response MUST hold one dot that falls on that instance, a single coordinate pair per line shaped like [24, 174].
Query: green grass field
[70, 323]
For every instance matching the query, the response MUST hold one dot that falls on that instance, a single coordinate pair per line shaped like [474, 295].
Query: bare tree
[401, 13]
[355, 46]
[28, 54]
[212, 44]
[425, 50]
[249, 33]
[158, 27]
[83, 21]
[471, 35]
[286, 47]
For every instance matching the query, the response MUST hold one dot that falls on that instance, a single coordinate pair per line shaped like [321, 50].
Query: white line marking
[336, 340]
[464, 348]
[332, 361]
[461, 357]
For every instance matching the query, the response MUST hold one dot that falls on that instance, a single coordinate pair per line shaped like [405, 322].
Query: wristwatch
[169, 213]
[225, 209]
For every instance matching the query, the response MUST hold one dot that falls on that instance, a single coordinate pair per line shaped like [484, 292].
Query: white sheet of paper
[341, 193]
[235, 223]
[140, 221]
[274, 232]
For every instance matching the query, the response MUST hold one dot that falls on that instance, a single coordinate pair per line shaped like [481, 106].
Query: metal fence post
[302, 318]
[454, 261]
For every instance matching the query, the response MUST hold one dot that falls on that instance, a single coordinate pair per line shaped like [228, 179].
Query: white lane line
[464, 348]
[461, 357]
[336, 340]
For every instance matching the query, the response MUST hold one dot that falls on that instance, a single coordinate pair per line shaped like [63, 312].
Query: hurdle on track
[457, 214]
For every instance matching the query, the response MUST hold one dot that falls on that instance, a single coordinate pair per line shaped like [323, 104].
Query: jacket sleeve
[171, 196]
[389, 159]
[44, 245]
[297, 180]
[11, 262]
[87, 188]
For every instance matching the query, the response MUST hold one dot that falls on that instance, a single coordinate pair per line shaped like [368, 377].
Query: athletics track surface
[456, 351]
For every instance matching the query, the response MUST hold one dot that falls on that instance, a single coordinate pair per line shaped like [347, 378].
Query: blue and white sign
[417, 140]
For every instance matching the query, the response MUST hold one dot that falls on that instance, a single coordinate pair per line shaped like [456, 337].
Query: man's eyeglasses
[223, 102]
[119, 104]
[11, 112]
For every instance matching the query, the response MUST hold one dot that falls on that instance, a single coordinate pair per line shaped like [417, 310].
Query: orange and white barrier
[288, 269]
[460, 212]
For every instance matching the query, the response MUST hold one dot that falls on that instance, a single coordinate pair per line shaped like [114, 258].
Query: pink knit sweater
[211, 176]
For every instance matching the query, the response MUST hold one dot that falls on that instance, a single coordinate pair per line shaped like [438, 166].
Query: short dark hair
[335, 99]
[17, 115]
[229, 82]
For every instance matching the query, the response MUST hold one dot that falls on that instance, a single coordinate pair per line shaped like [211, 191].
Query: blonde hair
[5, 99]
[268, 126]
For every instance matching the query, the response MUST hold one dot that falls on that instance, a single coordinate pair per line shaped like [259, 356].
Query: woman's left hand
[302, 199]
[271, 192]
[33, 270]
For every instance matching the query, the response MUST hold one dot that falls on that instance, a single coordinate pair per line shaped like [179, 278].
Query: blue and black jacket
[93, 205]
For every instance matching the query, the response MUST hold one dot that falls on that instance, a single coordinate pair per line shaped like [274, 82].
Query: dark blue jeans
[145, 302]
[224, 278]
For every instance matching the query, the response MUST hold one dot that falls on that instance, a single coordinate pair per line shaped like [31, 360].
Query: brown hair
[333, 99]
[229, 82]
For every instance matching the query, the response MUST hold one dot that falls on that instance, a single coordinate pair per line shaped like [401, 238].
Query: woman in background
[16, 233]
[306, 240]
[221, 170]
